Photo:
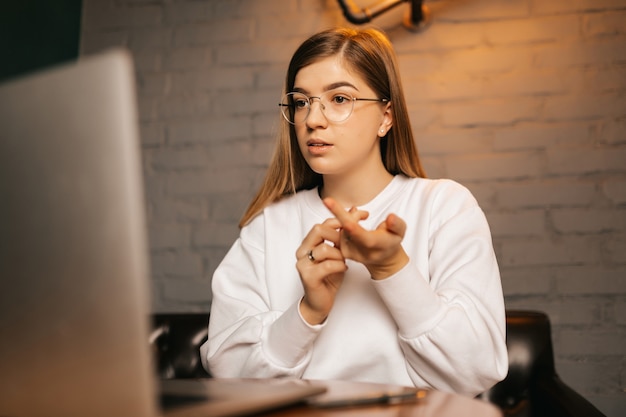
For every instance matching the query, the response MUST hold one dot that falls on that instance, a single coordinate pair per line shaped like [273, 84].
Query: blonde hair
[370, 54]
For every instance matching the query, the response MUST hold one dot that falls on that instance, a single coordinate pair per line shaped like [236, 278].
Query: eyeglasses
[336, 106]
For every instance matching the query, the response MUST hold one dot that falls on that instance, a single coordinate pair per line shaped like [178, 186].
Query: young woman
[350, 264]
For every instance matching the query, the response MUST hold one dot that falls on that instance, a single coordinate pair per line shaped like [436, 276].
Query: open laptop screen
[73, 260]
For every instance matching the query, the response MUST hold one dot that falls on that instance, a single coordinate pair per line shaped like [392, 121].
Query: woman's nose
[316, 115]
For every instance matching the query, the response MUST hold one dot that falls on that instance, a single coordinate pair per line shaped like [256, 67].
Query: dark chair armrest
[176, 340]
[556, 399]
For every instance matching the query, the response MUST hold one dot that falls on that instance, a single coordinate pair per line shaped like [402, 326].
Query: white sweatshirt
[437, 323]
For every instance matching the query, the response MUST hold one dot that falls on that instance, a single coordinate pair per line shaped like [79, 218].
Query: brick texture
[523, 101]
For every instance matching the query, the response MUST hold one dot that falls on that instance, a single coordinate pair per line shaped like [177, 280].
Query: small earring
[382, 130]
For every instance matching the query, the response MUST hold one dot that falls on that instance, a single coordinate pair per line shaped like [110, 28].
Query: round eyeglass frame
[286, 108]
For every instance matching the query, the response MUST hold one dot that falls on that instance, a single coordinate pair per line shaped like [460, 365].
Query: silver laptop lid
[74, 296]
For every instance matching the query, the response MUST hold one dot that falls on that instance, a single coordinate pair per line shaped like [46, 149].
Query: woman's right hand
[321, 267]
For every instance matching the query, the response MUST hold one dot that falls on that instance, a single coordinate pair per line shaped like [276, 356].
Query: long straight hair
[369, 53]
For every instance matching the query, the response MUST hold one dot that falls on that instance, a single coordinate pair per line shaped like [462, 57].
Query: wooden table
[325, 399]
[426, 403]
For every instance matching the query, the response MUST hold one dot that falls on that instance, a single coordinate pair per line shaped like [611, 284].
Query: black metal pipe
[417, 14]
[359, 16]
[418, 17]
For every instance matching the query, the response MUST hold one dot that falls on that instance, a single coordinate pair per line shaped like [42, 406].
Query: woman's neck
[357, 188]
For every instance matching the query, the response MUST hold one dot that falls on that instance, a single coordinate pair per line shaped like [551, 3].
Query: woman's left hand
[380, 250]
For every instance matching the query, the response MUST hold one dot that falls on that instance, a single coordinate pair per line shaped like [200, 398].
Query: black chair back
[532, 387]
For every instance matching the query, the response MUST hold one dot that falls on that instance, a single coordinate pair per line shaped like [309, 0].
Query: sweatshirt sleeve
[247, 337]
[450, 317]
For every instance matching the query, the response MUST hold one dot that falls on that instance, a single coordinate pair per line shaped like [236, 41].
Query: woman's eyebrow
[329, 87]
[340, 84]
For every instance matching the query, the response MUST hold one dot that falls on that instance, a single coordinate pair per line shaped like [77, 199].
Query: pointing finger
[348, 219]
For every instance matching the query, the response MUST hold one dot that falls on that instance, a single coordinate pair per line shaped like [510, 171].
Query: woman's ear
[387, 121]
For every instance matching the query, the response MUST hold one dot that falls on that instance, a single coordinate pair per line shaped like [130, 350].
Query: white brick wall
[523, 101]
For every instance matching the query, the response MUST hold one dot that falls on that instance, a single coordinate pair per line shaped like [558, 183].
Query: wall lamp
[416, 19]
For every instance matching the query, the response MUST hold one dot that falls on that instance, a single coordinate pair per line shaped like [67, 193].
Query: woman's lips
[317, 147]
[316, 142]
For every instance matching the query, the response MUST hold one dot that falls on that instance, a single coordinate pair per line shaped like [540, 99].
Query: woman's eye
[340, 99]
[300, 104]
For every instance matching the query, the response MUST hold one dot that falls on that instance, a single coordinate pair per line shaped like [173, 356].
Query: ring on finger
[310, 256]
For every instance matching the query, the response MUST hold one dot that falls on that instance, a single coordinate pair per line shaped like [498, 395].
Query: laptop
[74, 276]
